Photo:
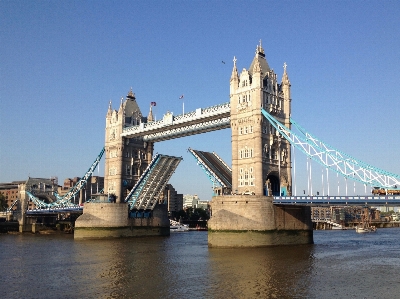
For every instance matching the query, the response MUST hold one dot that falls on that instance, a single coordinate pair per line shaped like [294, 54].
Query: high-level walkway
[201, 120]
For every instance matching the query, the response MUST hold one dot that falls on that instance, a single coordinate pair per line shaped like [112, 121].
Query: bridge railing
[199, 113]
[338, 200]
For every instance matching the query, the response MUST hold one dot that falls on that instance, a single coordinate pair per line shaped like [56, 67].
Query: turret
[150, 117]
[286, 96]
[234, 83]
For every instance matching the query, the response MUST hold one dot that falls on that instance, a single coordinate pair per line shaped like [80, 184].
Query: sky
[61, 62]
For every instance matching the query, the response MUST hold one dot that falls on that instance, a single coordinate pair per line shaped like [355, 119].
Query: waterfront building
[94, 185]
[40, 187]
[174, 200]
[190, 201]
[10, 192]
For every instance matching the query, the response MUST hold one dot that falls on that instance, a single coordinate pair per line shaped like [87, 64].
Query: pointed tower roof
[259, 58]
[150, 117]
[234, 70]
[109, 111]
[131, 108]
[285, 77]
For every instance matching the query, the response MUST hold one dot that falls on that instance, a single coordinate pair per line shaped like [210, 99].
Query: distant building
[94, 185]
[44, 189]
[173, 199]
[10, 191]
[202, 204]
[190, 201]
[341, 214]
[193, 201]
[41, 188]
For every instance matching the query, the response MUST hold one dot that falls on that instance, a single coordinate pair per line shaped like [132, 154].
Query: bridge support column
[110, 220]
[254, 221]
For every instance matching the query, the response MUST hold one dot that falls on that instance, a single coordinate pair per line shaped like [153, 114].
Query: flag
[181, 97]
[153, 104]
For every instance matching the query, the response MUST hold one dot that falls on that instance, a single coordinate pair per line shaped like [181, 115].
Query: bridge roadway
[214, 165]
[359, 200]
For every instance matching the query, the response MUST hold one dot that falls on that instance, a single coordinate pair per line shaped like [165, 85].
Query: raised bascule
[254, 204]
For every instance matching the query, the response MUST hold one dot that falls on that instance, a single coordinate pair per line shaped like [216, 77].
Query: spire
[131, 95]
[234, 70]
[259, 59]
[260, 50]
[121, 106]
[109, 112]
[285, 77]
[150, 117]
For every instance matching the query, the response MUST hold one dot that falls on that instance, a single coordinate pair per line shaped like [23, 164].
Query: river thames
[341, 264]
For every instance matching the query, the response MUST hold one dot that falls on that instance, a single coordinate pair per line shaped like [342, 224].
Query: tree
[3, 203]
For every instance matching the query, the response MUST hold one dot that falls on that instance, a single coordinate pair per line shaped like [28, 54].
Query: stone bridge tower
[125, 158]
[261, 162]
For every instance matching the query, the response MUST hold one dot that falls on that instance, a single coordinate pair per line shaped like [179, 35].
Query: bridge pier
[111, 220]
[254, 221]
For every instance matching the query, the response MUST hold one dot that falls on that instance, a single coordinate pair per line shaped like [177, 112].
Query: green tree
[180, 214]
[3, 203]
[201, 214]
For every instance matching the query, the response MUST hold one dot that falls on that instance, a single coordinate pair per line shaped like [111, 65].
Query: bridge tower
[261, 166]
[125, 158]
[261, 162]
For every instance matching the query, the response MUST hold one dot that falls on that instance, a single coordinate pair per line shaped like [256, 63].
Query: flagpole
[183, 104]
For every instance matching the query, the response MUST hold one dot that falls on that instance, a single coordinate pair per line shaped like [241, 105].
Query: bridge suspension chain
[334, 159]
[65, 201]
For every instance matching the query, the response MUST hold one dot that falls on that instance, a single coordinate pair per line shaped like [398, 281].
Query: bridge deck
[215, 166]
[146, 193]
[367, 200]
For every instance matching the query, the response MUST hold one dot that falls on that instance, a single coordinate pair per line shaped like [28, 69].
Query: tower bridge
[256, 205]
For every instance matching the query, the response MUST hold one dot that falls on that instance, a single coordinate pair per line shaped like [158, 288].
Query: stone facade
[260, 158]
[110, 220]
[261, 166]
[254, 221]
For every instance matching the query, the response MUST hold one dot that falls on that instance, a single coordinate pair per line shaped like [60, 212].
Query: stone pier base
[253, 221]
[110, 220]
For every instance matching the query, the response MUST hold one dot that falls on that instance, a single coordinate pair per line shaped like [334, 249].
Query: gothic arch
[273, 183]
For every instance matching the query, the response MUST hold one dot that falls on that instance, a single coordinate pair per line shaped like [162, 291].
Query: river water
[341, 264]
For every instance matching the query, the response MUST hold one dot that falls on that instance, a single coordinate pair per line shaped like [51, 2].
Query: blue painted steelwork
[13, 205]
[65, 201]
[146, 192]
[333, 159]
[137, 189]
[55, 210]
[43, 205]
[368, 200]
